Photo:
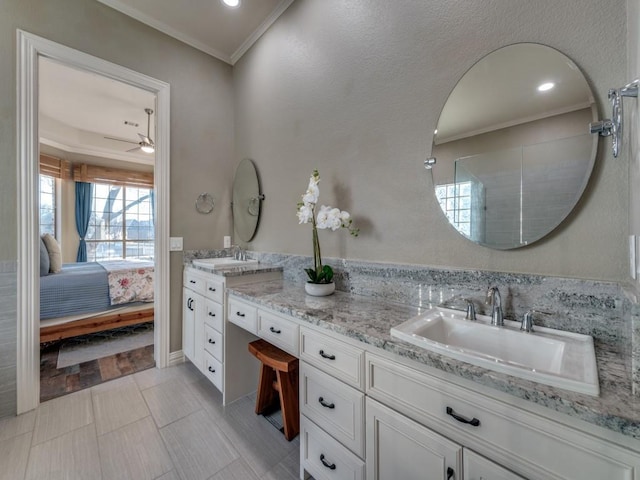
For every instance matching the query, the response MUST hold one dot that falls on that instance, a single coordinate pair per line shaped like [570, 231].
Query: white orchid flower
[305, 213]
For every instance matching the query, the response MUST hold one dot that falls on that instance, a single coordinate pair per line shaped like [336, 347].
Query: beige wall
[355, 89]
[201, 115]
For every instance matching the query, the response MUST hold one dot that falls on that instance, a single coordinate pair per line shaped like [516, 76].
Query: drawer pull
[330, 466]
[474, 422]
[240, 314]
[325, 404]
[192, 281]
[451, 474]
[211, 289]
[273, 330]
[212, 341]
[211, 314]
[328, 357]
[212, 370]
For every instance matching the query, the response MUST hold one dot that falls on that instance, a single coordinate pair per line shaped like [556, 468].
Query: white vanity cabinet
[531, 445]
[366, 412]
[205, 340]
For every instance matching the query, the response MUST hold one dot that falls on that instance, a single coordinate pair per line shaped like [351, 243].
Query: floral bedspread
[129, 281]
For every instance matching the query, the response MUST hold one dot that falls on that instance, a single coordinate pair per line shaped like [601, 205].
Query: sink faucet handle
[471, 310]
[527, 321]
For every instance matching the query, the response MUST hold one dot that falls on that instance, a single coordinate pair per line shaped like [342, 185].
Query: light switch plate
[175, 244]
[227, 241]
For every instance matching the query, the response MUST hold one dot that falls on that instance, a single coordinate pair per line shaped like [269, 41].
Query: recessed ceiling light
[546, 86]
[231, 3]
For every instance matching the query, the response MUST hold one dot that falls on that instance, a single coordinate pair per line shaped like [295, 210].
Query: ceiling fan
[145, 144]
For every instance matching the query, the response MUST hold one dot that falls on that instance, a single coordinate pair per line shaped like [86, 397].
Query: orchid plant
[327, 218]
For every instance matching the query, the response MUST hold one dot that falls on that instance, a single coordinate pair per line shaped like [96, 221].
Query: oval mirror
[246, 200]
[513, 148]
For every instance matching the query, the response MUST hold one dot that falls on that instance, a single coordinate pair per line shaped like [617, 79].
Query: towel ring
[204, 203]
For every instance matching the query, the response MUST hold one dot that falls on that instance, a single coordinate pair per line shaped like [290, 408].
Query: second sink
[553, 357]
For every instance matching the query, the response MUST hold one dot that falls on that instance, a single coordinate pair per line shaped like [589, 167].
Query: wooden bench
[279, 373]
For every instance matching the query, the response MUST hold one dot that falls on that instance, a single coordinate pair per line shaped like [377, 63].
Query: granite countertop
[241, 270]
[369, 320]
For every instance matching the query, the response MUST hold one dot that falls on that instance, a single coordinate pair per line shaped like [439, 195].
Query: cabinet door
[479, 468]
[188, 320]
[199, 315]
[399, 448]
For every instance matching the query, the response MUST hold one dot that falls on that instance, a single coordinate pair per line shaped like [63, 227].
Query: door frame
[29, 48]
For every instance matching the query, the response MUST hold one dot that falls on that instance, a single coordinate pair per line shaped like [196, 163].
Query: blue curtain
[152, 195]
[84, 192]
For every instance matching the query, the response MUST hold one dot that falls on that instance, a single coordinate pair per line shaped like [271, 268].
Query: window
[121, 224]
[47, 205]
[455, 200]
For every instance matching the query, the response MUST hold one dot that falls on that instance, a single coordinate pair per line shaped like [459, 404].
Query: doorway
[31, 49]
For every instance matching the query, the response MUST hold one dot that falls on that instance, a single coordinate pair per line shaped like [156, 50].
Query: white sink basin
[222, 263]
[553, 357]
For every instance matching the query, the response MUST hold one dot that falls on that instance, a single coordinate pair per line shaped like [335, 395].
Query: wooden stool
[279, 373]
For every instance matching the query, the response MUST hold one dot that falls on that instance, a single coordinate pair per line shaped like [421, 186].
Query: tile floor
[156, 424]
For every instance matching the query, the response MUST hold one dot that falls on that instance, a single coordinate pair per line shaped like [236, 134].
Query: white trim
[132, 12]
[166, 29]
[30, 48]
[176, 358]
[258, 32]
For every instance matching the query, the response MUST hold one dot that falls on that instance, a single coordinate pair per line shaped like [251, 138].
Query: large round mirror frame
[246, 201]
[513, 148]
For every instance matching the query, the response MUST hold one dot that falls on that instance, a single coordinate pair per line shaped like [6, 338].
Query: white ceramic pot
[320, 289]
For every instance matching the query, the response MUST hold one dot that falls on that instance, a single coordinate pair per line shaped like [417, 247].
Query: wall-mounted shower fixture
[614, 127]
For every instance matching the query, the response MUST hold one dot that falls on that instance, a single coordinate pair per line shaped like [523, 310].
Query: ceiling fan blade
[134, 149]
[145, 139]
[120, 140]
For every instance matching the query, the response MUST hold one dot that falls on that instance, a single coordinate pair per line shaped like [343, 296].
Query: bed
[95, 296]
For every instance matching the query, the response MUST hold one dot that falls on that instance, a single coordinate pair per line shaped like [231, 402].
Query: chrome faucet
[494, 298]
[471, 311]
[238, 253]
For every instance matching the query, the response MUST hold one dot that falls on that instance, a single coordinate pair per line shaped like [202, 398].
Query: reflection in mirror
[513, 148]
[246, 200]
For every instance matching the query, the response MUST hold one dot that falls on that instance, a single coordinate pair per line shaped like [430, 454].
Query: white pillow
[55, 254]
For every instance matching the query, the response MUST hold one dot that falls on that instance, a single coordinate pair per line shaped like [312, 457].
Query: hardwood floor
[55, 382]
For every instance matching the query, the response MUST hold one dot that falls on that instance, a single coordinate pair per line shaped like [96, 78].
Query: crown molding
[258, 32]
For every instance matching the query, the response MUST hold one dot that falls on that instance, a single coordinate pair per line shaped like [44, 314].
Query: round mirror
[513, 148]
[246, 200]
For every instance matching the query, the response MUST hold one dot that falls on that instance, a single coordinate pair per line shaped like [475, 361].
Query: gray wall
[201, 130]
[355, 89]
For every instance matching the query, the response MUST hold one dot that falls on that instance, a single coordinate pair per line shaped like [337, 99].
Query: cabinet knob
[211, 289]
[240, 314]
[330, 466]
[212, 342]
[211, 314]
[212, 370]
[192, 281]
[327, 356]
[451, 474]
[273, 330]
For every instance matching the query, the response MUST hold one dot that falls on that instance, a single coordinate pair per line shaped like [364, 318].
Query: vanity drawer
[213, 370]
[279, 331]
[531, 445]
[324, 458]
[214, 315]
[194, 281]
[214, 290]
[338, 359]
[339, 408]
[213, 342]
[243, 315]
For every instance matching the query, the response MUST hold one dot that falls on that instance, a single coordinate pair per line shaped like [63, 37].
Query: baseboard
[175, 358]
